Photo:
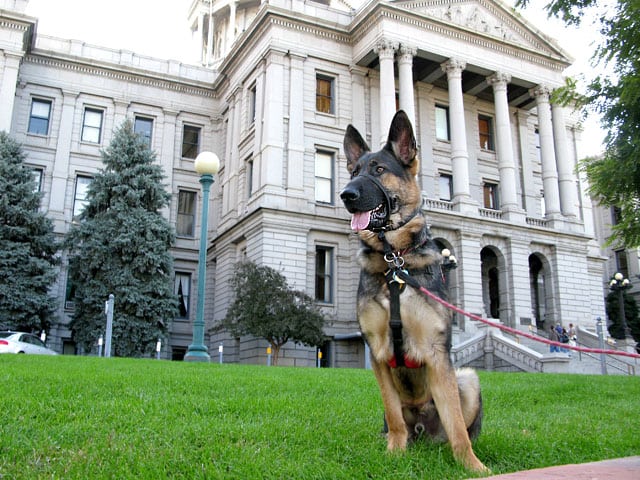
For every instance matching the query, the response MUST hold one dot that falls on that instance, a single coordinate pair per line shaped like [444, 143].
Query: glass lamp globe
[207, 163]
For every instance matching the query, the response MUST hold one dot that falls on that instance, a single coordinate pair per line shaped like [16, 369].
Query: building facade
[279, 82]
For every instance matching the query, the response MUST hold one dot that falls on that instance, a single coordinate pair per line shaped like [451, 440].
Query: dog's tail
[470, 400]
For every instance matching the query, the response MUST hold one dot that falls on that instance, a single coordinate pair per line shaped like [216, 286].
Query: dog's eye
[355, 172]
[379, 169]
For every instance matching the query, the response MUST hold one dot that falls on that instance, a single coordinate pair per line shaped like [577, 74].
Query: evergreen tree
[121, 246]
[27, 246]
[266, 307]
[615, 327]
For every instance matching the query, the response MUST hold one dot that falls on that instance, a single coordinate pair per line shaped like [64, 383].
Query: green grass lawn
[85, 417]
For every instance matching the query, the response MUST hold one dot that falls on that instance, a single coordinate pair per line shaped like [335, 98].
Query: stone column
[200, 30]
[405, 80]
[424, 134]
[168, 149]
[518, 283]
[530, 197]
[385, 50]
[549, 171]
[295, 145]
[229, 183]
[469, 275]
[210, 39]
[459, 154]
[504, 142]
[271, 168]
[237, 162]
[231, 34]
[565, 164]
[9, 79]
[358, 116]
[61, 173]
[257, 145]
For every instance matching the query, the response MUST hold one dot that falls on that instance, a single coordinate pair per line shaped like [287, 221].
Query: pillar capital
[499, 79]
[541, 93]
[385, 48]
[453, 66]
[407, 53]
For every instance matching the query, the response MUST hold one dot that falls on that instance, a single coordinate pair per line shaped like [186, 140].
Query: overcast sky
[159, 28]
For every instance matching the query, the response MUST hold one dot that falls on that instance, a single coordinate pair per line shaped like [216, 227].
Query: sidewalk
[618, 469]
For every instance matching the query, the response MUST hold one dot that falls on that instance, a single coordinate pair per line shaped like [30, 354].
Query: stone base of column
[514, 214]
[574, 224]
[465, 204]
[555, 221]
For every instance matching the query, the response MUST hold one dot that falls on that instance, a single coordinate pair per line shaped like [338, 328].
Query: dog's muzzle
[368, 202]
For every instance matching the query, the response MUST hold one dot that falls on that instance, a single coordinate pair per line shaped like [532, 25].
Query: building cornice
[119, 72]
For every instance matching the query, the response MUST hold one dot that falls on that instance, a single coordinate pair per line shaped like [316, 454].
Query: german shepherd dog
[422, 393]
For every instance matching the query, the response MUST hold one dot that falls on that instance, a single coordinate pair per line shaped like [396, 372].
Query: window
[491, 196]
[442, 123]
[190, 141]
[324, 274]
[80, 197]
[40, 116]
[144, 127]
[324, 94]
[485, 126]
[92, 125]
[249, 173]
[446, 187]
[616, 215]
[69, 294]
[538, 151]
[621, 262]
[324, 177]
[252, 104]
[37, 177]
[186, 213]
[182, 288]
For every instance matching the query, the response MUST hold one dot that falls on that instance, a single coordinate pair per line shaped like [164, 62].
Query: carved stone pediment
[487, 18]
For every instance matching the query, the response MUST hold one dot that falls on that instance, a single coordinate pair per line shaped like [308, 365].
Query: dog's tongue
[360, 220]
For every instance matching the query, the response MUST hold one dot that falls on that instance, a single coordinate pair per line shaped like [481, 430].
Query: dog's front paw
[396, 441]
[474, 464]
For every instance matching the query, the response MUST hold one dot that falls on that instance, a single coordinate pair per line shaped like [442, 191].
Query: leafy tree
[266, 307]
[614, 177]
[121, 246]
[616, 329]
[27, 246]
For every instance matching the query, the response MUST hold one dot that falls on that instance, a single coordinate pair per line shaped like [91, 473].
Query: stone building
[279, 82]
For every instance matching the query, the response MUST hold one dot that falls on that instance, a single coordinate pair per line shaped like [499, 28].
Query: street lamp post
[619, 284]
[207, 165]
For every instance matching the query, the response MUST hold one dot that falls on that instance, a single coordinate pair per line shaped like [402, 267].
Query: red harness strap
[407, 362]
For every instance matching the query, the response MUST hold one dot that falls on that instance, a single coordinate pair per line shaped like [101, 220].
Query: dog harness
[397, 278]
[396, 284]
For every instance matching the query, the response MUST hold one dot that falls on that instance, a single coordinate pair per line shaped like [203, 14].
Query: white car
[20, 342]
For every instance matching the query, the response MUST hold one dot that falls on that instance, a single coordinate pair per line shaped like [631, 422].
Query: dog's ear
[401, 140]
[354, 147]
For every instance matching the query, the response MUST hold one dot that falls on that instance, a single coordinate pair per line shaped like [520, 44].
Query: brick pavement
[617, 469]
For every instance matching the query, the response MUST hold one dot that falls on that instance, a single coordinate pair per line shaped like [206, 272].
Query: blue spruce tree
[27, 246]
[121, 246]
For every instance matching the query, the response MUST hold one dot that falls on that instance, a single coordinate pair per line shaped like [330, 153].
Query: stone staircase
[491, 349]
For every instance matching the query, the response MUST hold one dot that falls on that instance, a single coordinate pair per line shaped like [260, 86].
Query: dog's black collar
[403, 223]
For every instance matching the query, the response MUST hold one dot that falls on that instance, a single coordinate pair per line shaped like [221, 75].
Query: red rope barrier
[521, 333]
